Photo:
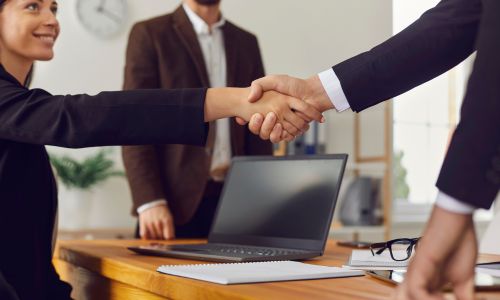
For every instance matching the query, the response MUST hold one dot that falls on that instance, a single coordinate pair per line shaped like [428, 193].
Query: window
[424, 119]
[423, 122]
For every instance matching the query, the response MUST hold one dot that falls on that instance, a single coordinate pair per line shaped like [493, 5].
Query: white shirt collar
[199, 25]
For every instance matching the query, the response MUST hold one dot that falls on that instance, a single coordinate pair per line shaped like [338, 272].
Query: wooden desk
[107, 270]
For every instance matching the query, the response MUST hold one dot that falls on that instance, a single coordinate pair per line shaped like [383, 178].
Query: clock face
[103, 18]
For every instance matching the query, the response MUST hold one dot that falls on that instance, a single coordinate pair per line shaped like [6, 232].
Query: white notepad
[234, 273]
[365, 260]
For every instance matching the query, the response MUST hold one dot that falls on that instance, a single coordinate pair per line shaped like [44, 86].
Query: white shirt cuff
[151, 204]
[331, 84]
[453, 205]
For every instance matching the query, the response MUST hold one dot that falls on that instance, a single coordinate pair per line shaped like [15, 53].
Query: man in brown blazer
[175, 188]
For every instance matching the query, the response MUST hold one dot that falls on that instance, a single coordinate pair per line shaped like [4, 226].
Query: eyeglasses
[400, 249]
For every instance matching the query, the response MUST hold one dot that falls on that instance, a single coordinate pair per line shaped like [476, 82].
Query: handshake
[280, 107]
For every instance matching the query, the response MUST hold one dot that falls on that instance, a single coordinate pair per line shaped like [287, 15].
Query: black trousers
[200, 223]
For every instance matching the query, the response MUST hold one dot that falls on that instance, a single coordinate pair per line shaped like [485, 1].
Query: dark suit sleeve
[108, 118]
[253, 144]
[440, 39]
[471, 169]
[141, 162]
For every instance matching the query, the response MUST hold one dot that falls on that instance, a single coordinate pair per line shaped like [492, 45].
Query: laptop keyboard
[231, 250]
[249, 251]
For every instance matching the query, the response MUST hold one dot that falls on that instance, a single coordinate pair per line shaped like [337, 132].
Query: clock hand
[102, 10]
[100, 7]
[111, 15]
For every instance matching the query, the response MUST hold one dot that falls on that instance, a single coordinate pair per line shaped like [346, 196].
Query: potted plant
[80, 178]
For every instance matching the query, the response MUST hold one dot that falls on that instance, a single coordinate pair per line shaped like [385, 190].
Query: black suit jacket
[440, 39]
[30, 119]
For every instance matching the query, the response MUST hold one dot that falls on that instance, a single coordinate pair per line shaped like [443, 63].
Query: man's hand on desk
[442, 257]
[157, 223]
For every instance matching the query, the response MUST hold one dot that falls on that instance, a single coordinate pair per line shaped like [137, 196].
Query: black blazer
[30, 119]
[440, 39]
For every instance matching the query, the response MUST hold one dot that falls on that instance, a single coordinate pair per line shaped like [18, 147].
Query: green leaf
[92, 171]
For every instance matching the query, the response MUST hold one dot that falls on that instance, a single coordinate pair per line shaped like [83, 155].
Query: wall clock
[103, 18]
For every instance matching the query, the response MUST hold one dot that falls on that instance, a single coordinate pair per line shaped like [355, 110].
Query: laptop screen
[279, 202]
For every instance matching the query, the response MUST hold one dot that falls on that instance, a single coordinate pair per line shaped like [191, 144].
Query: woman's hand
[284, 110]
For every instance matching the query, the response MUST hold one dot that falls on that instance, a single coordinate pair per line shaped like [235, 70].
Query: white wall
[299, 38]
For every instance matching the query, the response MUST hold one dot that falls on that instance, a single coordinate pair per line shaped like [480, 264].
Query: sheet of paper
[371, 268]
[493, 270]
[365, 258]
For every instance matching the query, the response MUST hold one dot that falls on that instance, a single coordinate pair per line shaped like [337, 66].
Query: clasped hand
[294, 103]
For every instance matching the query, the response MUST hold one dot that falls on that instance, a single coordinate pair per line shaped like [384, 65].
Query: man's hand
[446, 254]
[310, 91]
[156, 223]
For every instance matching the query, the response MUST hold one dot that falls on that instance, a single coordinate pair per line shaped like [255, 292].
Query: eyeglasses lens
[400, 249]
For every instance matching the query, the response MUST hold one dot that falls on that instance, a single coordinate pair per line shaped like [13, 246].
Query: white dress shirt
[333, 88]
[211, 41]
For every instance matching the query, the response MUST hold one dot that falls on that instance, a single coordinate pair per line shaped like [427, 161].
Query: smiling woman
[29, 31]
[31, 119]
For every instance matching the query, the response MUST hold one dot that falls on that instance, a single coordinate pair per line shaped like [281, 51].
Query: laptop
[271, 208]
